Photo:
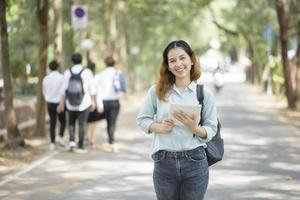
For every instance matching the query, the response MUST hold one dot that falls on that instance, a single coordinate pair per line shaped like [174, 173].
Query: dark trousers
[82, 117]
[180, 175]
[111, 111]
[52, 117]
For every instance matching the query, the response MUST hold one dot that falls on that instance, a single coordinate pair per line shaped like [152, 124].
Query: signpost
[79, 16]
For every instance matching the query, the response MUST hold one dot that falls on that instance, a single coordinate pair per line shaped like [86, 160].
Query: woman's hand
[166, 125]
[188, 122]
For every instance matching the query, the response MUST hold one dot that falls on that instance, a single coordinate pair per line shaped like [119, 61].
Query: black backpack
[75, 91]
[215, 147]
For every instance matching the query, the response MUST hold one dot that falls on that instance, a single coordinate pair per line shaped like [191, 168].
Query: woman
[96, 115]
[180, 163]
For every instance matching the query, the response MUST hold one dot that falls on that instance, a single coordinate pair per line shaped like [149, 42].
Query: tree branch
[220, 26]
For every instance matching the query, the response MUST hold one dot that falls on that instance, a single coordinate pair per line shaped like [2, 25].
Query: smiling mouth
[180, 69]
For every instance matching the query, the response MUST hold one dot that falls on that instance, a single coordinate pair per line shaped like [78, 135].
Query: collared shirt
[180, 138]
[52, 85]
[88, 87]
[104, 83]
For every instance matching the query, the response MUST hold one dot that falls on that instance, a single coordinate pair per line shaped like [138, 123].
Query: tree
[110, 27]
[294, 18]
[56, 33]
[42, 16]
[283, 29]
[123, 36]
[298, 68]
[14, 137]
[67, 35]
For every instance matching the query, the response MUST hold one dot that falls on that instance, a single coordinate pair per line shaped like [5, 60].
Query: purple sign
[79, 12]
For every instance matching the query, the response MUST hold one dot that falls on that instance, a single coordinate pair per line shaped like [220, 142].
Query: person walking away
[51, 89]
[110, 83]
[96, 115]
[180, 163]
[79, 94]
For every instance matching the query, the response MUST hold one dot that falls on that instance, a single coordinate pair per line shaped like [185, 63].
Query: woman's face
[179, 62]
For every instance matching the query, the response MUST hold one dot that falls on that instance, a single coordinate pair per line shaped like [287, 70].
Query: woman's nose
[177, 62]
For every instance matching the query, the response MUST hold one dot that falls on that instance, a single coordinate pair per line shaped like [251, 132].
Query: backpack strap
[76, 74]
[81, 71]
[200, 97]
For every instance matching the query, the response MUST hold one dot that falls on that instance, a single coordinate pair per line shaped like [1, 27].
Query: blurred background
[236, 41]
[249, 52]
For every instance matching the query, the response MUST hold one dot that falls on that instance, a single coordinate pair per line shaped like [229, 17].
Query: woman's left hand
[187, 121]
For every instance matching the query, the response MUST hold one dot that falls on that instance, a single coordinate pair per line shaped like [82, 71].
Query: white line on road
[35, 164]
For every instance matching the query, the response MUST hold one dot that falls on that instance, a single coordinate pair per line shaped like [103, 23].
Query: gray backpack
[75, 91]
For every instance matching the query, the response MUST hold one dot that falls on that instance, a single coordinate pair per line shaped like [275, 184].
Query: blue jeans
[180, 175]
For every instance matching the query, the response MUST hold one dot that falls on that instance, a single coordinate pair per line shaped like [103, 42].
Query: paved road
[261, 161]
[262, 158]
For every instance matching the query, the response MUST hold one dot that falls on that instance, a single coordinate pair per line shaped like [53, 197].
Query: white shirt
[104, 84]
[52, 86]
[88, 87]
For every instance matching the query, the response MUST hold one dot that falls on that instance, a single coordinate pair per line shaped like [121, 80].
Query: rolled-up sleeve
[209, 114]
[146, 115]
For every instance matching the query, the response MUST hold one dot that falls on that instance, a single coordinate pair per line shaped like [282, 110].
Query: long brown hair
[166, 78]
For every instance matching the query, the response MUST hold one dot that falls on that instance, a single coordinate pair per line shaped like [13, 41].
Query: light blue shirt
[180, 138]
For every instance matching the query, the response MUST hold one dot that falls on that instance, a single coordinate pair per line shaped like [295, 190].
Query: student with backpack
[51, 89]
[79, 95]
[180, 162]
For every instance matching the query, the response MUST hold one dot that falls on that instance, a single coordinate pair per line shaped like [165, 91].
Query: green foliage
[23, 36]
[22, 87]
[18, 68]
[153, 24]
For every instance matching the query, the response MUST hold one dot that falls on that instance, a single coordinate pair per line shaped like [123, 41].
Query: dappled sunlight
[258, 163]
[261, 159]
[285, 166]
[247, 51]
[241, 178]
[262, 195]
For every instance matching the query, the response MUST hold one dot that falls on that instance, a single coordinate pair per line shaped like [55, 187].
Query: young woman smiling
[180, 163]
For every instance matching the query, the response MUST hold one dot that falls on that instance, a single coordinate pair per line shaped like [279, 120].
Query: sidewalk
[96, 175]
[261, 160]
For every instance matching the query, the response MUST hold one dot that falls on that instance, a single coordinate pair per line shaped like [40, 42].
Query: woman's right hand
[166, 125]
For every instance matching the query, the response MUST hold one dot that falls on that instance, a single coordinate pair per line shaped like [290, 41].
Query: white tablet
[191, 110]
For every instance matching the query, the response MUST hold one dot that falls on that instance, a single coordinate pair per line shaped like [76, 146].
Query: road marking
[27, 169]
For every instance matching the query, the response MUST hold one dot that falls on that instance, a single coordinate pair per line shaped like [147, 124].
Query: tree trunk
[13, 135]
[298, 69]
[42, 16]
[110, 28]
[283, 27]
[57, 33]
[123, 36]
[67, 35]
